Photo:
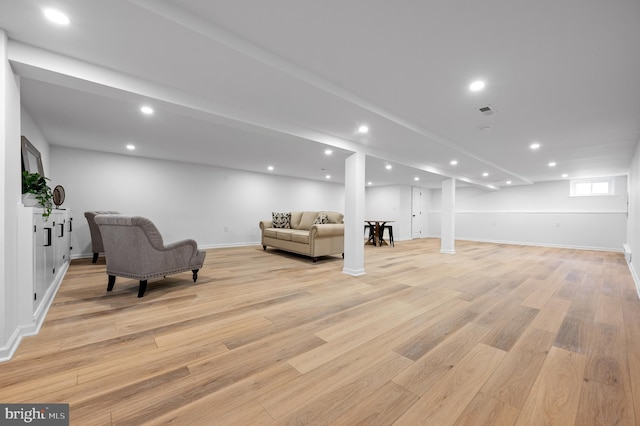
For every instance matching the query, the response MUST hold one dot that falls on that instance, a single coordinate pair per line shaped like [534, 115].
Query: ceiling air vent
[487, 110]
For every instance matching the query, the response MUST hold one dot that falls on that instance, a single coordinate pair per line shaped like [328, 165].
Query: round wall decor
[58, 195]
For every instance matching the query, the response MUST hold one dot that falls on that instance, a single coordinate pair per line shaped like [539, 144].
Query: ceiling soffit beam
[43, 65]
[204, 28]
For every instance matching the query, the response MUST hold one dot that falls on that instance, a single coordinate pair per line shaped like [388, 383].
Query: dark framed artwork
[31, 158]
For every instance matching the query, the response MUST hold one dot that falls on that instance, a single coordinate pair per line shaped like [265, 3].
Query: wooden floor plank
[551, 314]
[607, 358]
[448, 398]
[555, 395]
[486, 410]
[383, 407]
[513, 379]
[608, 310]
[495, 334]
[505, 333]
[348, 393]
[601, 404]
[428, 370]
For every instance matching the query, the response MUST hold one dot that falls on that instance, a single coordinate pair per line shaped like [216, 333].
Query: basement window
[592, 187]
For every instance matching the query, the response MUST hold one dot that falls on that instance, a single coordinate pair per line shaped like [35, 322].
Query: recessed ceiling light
[565, 175]
[56, 16]
[476, 86]
[534, 145]
[416, 178]
[388, 166]
[369, 183]
[328, 152]
[146, 110]
[552, 164]
[328, 176]
[485, 174]
[270, 168]
[508, 182]
[454, 162]
[363, 129]
[131, 147]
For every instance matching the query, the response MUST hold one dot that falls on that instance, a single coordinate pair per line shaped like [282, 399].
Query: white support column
[354, 214]
[448, 220]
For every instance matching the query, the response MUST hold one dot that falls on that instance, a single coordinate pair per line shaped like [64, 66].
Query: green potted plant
[34, 183]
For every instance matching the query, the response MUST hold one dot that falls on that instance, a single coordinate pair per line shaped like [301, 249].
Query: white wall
[633, 229]
[37, 139]
[11, 317]
[393, 202]
[539, 214]
[183, 200]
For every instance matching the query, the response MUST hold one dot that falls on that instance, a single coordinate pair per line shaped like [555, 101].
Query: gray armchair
[97, 246]
[134, 249]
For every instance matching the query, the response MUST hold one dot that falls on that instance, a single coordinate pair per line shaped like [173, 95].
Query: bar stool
[371, 232]
[389, 229]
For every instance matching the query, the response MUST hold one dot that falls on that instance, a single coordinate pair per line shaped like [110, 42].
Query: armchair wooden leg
[95, 257]
[195, 274]
[264, 247]
[143, 288]
[112, 281]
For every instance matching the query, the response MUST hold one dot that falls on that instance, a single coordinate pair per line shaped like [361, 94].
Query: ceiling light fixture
[565, 175]
[270, 168]
[369, 183]
[454, 162]
[485, 174]
[131, 147]
[146, 110]
[534, 145]
[56, 16]
[388, 167]
[328, 152]
[328, 176]
[363, 129]
[476, 86]
[508, 182]
[552, 164]
[416, 178]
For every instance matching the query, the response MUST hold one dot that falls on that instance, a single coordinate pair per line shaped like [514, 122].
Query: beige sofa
[304, 234]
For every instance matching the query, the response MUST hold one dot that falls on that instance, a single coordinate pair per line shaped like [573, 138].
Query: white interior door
[416, 212]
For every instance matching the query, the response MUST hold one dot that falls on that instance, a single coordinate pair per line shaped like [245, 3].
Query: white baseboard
[635, 277]
[25, 330]
[525, 243]
[353, 272]
[7, 351]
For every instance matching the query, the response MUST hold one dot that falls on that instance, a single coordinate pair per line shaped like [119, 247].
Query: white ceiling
[247, 83]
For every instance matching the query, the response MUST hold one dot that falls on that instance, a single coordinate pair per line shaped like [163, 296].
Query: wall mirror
[31, 159]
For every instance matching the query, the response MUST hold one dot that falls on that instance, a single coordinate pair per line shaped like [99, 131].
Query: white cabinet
[45, 249]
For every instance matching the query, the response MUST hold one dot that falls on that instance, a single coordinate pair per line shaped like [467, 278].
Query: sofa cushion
[300, 237]
[295, 220]
[334, 217]
[270, 232]
[283, 234]
[281, 220]
[307, 220]
[322, 219]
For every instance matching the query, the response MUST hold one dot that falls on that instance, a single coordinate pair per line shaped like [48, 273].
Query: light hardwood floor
[493, 335]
